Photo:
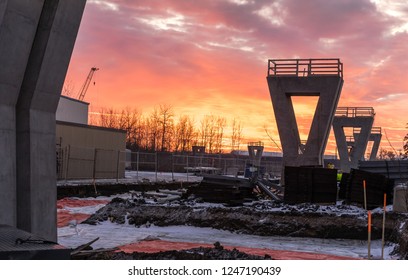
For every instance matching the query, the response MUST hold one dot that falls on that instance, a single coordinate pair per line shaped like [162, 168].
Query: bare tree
[109, 118]
[386, 154]
[220, 123]
[166, 121]
[204, 131]
[270, 137]
[184, 134]
[159, 131]
[212, 133]
[152, 126]
[236, 135]
[129, 120]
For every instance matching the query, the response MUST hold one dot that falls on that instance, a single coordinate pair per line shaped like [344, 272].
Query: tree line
[162, 131]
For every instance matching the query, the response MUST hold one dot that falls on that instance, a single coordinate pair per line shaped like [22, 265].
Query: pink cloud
[195, 53]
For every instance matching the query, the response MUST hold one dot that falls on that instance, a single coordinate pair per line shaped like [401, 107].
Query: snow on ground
[113, 235]
[137, 177]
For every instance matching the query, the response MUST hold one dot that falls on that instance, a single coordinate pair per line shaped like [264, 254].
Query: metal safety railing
[350, 139]
[352, 112]
[305, 67]
[256, 144]
[374, 130]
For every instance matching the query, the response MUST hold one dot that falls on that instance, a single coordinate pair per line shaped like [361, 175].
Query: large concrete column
[352, 117]
[304, 77]
[18, 24]
[35, 115]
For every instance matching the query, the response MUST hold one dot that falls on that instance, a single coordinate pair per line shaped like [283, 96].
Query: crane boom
[85, 86]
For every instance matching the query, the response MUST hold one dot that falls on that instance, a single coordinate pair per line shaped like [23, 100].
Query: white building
[72, 110]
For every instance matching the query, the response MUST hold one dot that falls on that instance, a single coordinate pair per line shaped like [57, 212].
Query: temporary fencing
[89, 163]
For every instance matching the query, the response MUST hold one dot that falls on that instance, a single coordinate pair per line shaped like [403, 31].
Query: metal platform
[16, 244]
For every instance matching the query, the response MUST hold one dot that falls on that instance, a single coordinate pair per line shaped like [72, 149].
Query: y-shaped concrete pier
[36, 42]
[375, 137]
[352, 117]
[304, 77]
[255, 150]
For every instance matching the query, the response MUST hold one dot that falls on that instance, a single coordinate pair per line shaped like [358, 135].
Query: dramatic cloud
[211, 56]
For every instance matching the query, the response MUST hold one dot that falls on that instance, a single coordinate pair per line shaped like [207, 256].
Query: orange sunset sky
[210, 57]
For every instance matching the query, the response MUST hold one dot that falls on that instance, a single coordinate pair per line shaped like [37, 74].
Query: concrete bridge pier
[36, 42]
[352, 117]
[375, 137]
[255, 150]
[18, 24]
[304, 77]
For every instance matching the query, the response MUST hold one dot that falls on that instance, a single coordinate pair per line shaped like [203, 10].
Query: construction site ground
[162, 224]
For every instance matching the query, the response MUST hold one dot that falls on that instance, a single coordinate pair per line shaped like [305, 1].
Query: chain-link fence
[87, 163]
[197, 165]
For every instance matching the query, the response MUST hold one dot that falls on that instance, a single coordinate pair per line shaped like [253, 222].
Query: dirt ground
[217, 252]
[265, 218]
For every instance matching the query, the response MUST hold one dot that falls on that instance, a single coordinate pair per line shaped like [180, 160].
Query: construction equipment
[85, 86]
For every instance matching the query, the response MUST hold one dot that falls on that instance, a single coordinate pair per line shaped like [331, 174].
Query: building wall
[86, 152]
[72, 110]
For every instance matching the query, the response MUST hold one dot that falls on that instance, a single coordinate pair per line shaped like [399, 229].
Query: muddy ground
[265, 218]
[216, 253]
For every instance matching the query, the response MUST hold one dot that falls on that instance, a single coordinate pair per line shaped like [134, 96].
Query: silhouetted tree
[220, 124]
[236, 134]
[158, 131]
[184, 134]
[166, 122]
[386, 154]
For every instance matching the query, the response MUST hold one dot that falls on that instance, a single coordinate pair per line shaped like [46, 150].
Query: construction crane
[85, 86]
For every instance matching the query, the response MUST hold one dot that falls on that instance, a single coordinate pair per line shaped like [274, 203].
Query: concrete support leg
[376, 138]
[282, 88]
[35, 115]
[18, 24]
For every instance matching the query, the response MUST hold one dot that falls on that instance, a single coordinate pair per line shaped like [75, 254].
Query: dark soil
[216, 253]
[265, 218]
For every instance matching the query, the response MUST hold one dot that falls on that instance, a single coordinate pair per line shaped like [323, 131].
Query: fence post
[187, 168]
[172, 167]
[156, 164]
[94, 167]
[117, 166]
[137, 166]
[68, 156]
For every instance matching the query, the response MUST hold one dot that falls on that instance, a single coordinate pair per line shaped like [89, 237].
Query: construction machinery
[85, 86]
